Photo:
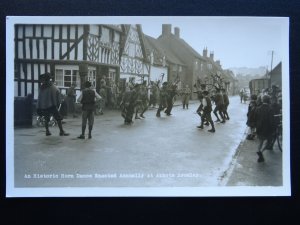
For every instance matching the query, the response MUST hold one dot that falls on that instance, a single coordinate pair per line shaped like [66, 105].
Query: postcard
[147, 106]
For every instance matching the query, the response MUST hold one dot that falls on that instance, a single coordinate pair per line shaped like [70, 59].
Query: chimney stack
[166, 29]
[177, 32]
[205, 52]
[211, 55]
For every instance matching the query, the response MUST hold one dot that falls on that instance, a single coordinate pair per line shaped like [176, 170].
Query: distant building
[196, 67]
[276, 75]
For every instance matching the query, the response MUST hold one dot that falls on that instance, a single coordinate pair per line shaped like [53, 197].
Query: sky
[235, 41]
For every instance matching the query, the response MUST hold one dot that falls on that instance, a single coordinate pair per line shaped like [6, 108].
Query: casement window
[92, 76]
[112, 75]
[65, 76]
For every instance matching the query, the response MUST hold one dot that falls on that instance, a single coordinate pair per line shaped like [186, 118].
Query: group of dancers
[221, 100]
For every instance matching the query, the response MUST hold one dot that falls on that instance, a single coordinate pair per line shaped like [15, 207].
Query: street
[153, 152]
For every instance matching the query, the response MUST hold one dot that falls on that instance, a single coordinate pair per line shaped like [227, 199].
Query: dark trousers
[219, 108]
[162, 106]
[206, 116]
[169, 106]
[127, 113]
[225, 111]
[47, 114]
[88, 116]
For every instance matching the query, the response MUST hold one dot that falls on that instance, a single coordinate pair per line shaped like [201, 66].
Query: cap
[87, 84]
[46, 76]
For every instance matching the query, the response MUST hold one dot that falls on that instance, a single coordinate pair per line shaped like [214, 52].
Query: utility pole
[272, 60]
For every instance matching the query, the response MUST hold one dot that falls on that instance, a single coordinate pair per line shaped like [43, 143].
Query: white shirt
[204, 102]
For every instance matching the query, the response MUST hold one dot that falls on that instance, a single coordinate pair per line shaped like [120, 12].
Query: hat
[46, 76]
[266, 99]
[87, 84]
[205, 92]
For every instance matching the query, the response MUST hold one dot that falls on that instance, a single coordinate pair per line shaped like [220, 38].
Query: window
[66, 77]
[209, 66]
[112, 74]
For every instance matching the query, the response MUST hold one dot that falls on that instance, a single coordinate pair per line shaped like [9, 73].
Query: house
[276, 76]
[134, 66]
[185, 54]
[117, 53]
[197, 68]
[72, 53]
[165, 66]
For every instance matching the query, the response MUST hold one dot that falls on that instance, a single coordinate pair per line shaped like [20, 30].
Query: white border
[11, 191]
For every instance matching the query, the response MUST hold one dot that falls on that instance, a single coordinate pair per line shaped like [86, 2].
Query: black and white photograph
[147, 106]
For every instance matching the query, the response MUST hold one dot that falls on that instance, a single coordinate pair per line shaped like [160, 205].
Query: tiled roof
[159, 50]
[180, 48]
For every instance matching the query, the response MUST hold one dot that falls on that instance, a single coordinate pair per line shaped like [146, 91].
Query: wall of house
[276, 76]
[60, 50]
[156, 73]
[132, 61]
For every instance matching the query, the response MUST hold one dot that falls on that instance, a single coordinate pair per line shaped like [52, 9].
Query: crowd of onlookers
[262, 118]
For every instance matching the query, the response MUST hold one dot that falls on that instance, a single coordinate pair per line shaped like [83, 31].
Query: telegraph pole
[272, 60]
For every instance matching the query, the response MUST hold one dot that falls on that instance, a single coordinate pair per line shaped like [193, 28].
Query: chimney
[218, 62]
[205, 52]
[211, 55]
[166, 29]
[177, 32]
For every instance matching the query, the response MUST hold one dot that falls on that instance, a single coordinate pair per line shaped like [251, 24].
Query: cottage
[72, 53]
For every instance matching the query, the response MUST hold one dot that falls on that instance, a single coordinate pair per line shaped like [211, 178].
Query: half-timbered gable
[104, 44]
[134, 60]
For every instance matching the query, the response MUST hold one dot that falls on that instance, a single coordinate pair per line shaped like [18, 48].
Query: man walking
[87, 99]
[163, 97]
[172, 92]
[48, 102]
[206, 115]
[265, 125]
[219, 101]
[186, 92]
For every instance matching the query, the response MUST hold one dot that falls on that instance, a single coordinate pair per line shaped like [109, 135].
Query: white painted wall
[155, 73]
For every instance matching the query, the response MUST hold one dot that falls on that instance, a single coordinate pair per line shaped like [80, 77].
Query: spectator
[48, 102]
[71, 99]
[87, 99]
[264, 125]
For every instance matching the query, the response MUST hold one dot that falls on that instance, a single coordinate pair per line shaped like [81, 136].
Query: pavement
[233, 161]
[246, 171]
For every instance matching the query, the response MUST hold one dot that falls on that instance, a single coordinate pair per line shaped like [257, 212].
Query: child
[251, 117]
